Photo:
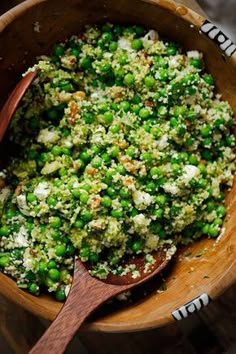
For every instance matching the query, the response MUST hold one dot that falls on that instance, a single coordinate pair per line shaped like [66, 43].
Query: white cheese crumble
[171, 188]
[193, 54]
[124, 43]
[142, 199]
[47, 136]
[21, 237]
[190, 171]
[22, 204]
[42, 191]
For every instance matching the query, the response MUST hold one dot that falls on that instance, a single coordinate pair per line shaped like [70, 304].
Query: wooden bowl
[191, 281]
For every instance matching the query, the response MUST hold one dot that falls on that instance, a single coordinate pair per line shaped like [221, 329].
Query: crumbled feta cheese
[22, 204]
[193, 54]
[163, 142]
[190, 171]
[47, 136]
[171, 188]
[42, 191]
[124, 43]
[142, 199]
[21, 237]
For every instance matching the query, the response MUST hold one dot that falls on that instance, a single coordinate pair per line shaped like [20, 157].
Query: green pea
[156, 171]
[156, 227]
[59, 50]
[207, 155]
[146, 156]
[56, 150]
[136, 99]
[75, 52]
[30, 197]
[116, 213]
[202, 168]
[55, 222]
[4, 261]
[79, 224]
[137, 245]
[51, 264]
[162, 111]
[149, 81]
[136, 44]
[85, 156]
[123, 58]
[131, 151]
[60, 295]
[89, 117]
[205, 229]
[85, 62]
[63, 171]
[56, 235]
[124, 192]
[105, 67]
[108, 117]
[125, 105]
[94, 257]
[218, 222]
[111, 191]
[54, 274]
[205, 131]
[113, 46]
[96, 162]
[173, 122]
[210, 206]
[114, 152]
[129, 79]
[134, 212]
[76, 192]
[33, 154]
[218, 122]
[107, 36]
[42, 267]
[84, 252]
[60, 250]
[151, 187]
[158, 213]
[196, 62]
[125, 203]
[208, 79]
[52, 201]
[86, 215]
[4, 230]
[106, 201]
[161, 199]
[33, 288]
[172, 49]
[193, 160]
[213, 230]
[221, 210]
[114, 128]
[84, 197]
[144, 113]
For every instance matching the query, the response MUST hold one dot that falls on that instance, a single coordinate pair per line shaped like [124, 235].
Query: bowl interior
[20, 44]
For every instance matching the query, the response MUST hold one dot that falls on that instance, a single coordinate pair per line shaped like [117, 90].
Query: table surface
[210, 331]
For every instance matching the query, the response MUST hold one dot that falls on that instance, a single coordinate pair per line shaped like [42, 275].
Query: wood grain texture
[13, 100]
[86, 294]
[188, 276]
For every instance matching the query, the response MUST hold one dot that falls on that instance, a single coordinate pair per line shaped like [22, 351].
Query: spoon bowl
[87, 293]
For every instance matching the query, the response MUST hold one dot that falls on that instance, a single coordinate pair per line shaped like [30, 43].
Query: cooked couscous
[122, 144]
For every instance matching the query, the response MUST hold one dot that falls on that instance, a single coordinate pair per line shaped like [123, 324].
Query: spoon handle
[86, 294]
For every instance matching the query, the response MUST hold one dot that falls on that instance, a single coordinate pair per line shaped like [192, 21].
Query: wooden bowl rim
[27, 300]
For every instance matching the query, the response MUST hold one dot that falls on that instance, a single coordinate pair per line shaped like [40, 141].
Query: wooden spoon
[87, 293]
[13, 100]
